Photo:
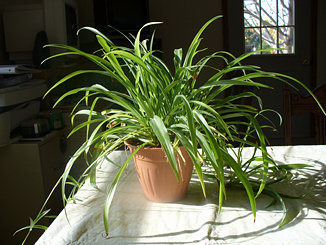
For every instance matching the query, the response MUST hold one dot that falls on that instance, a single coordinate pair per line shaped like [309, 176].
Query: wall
[4, 59]
[85, 12]
[3, 56]
[182, 19]
[321, 42]
[3, 4]
[86, 18]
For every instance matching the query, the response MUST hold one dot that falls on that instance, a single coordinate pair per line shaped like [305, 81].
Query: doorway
[255, 24]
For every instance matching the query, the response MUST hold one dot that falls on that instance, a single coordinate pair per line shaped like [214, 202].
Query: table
[195, 220]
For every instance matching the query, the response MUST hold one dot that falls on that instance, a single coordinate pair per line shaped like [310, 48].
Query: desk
[195, 220]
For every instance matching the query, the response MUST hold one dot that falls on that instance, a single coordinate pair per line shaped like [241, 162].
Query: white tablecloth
[195, 220]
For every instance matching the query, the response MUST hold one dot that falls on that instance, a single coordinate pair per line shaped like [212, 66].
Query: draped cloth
[195, 220]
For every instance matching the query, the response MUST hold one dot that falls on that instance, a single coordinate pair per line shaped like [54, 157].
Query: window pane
[285, 12]
[268, 13]
[269, 39]
[252, 39]
[286, 40]
[251, 13]
[269, 24]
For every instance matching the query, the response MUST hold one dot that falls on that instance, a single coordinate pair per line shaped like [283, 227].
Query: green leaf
[305, 87]
[137, 49]
[195, 42]
[190, 120]
[112, 189]
[177, 58]
[293, 166]
[216, 163]
[291, 214]
[96, 32]
[162, 135]
[243, 178]
[186, 142]
[103, 43]
[232, 82]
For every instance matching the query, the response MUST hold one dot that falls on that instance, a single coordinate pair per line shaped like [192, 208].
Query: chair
[295, 104]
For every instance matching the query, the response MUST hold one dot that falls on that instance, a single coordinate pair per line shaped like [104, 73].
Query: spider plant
[168, 108]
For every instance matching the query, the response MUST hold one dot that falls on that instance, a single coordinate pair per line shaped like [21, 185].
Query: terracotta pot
[156, 176]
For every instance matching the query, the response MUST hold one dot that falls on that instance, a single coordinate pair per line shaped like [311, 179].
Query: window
[269, 24]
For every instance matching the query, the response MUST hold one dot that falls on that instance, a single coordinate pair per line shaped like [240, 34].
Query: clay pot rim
[153, 148]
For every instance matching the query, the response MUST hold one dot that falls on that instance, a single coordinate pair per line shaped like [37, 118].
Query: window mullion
[277, 28]
[260, 27]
